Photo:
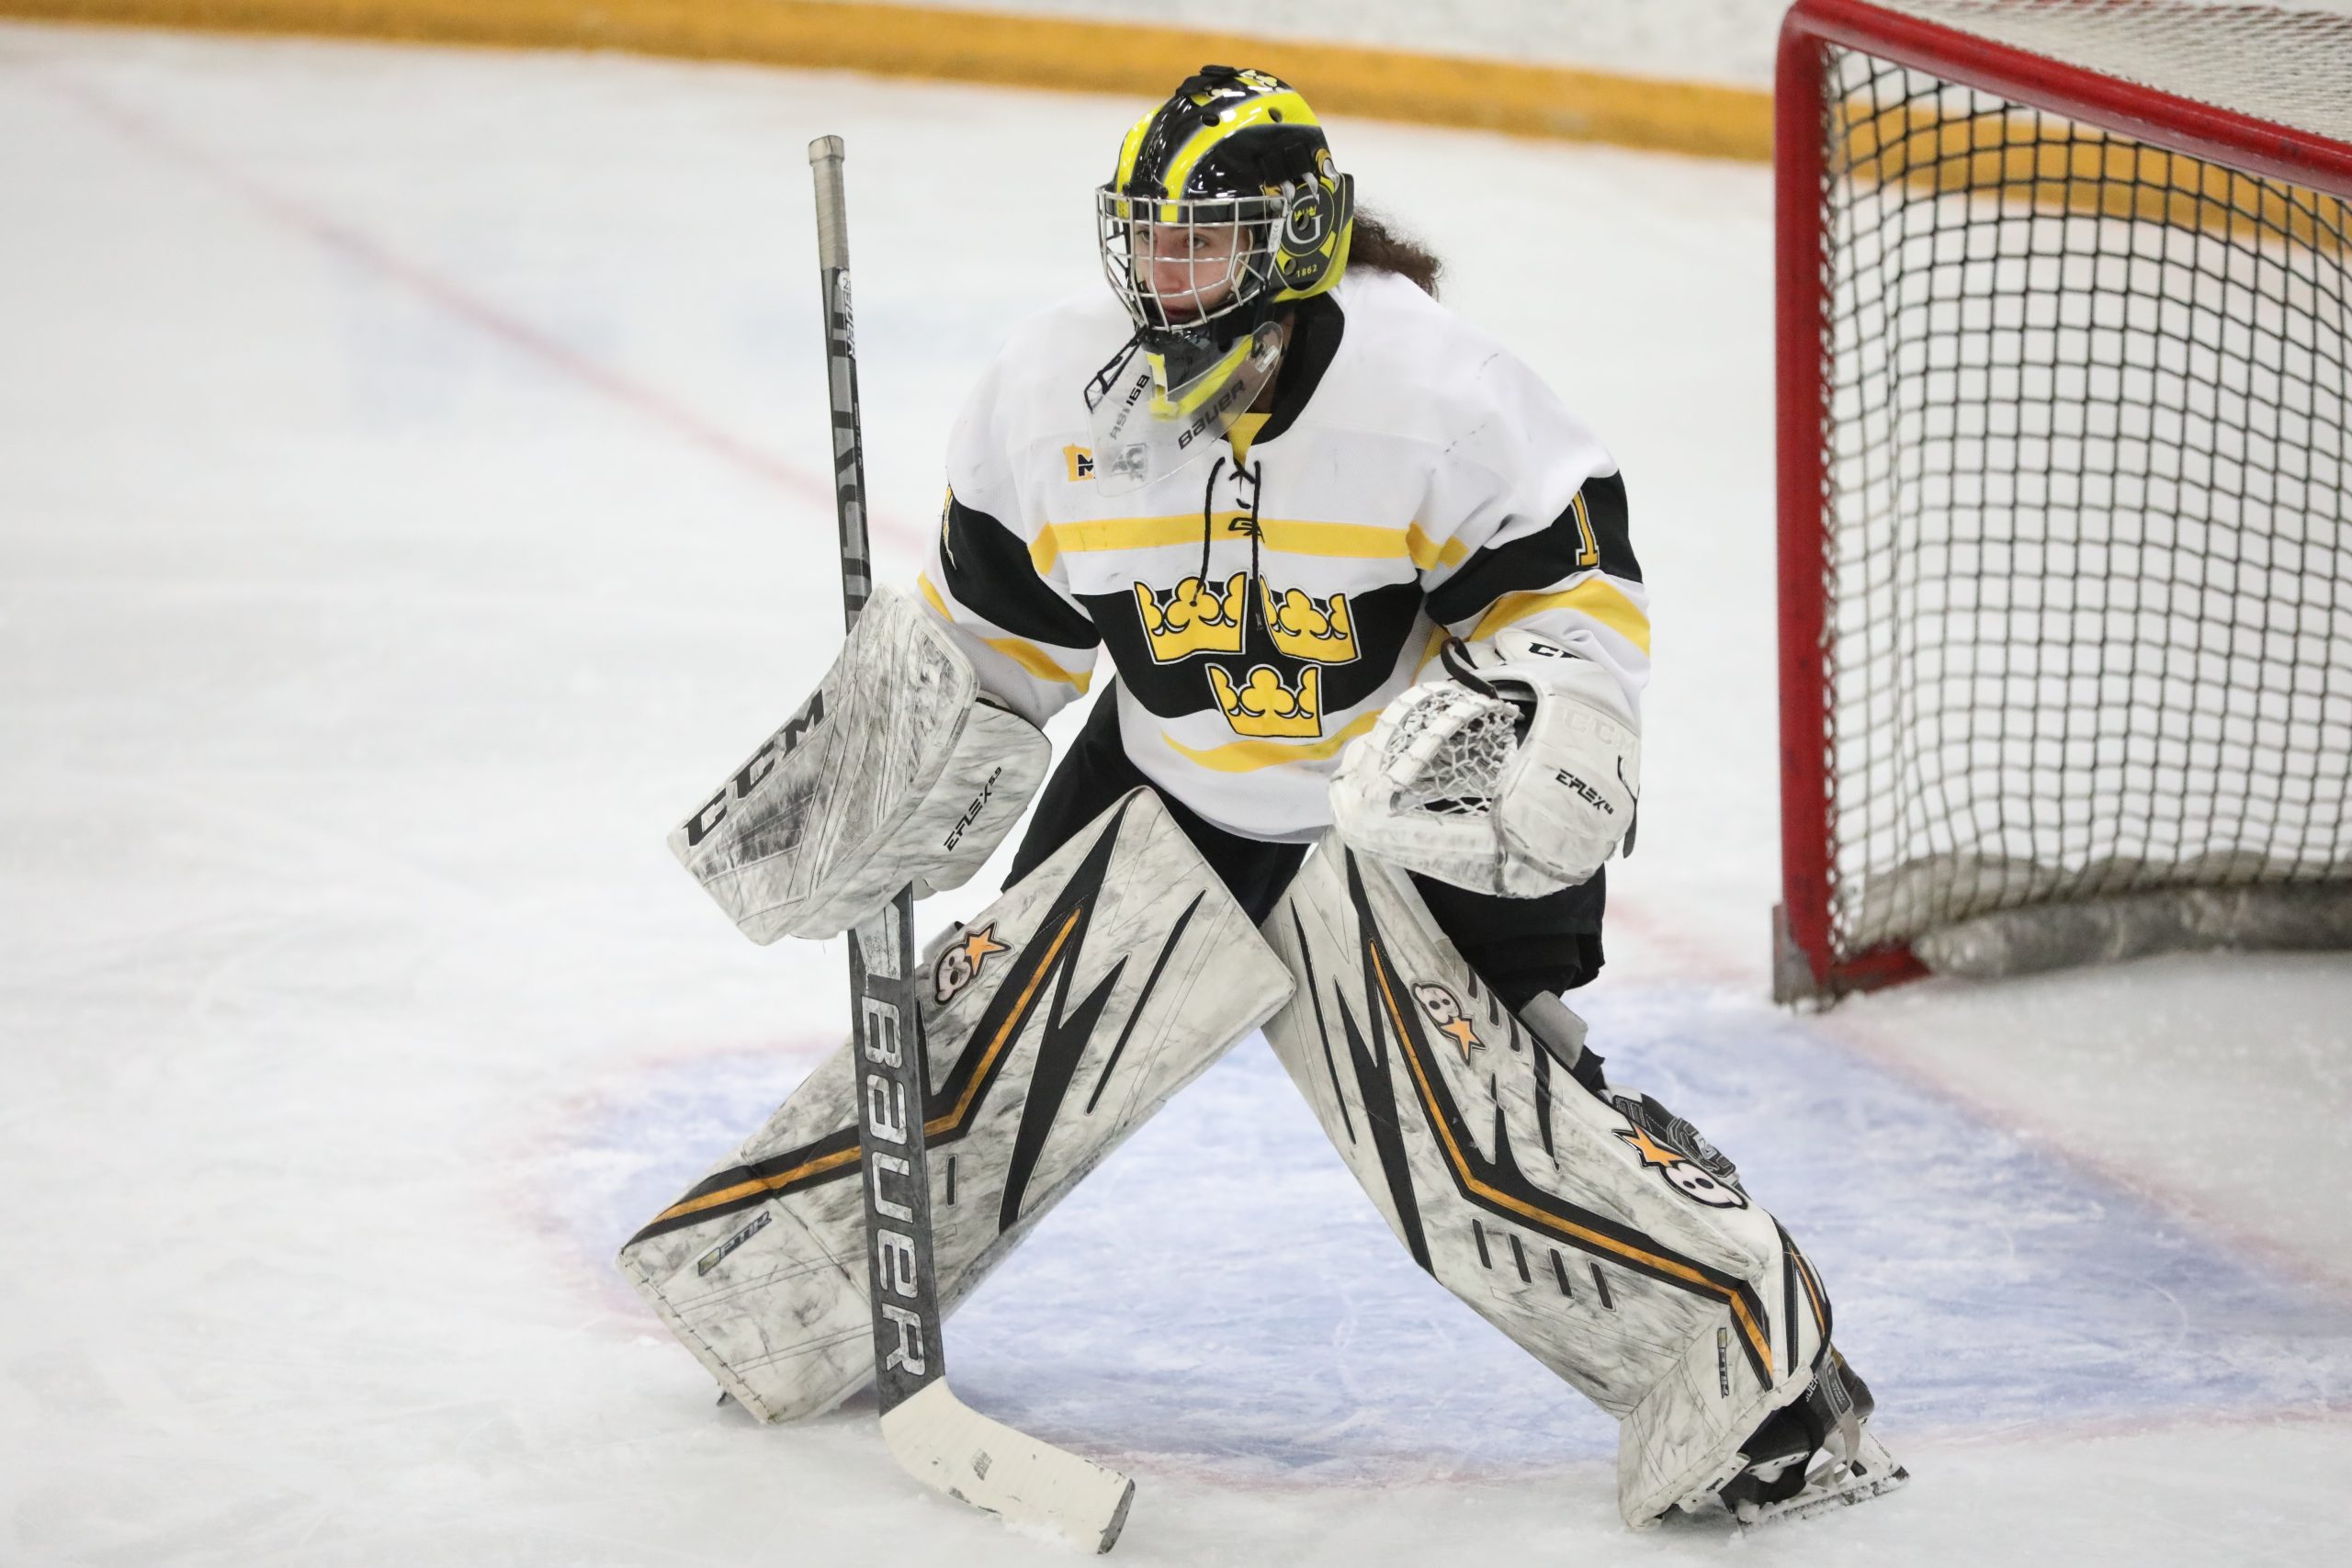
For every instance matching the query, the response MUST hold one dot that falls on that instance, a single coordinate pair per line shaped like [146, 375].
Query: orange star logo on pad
[1650, 1149]
[959, 962]
[978, 944]
[1445, 1010]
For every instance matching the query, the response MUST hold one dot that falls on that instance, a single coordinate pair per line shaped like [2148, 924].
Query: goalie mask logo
[1681, 1156]
[961, 964]
[1446, 1011]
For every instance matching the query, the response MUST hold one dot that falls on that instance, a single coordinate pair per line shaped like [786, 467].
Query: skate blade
[1838, 1484]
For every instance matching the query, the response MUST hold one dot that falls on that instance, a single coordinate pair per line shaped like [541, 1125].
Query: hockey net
[2066, 575]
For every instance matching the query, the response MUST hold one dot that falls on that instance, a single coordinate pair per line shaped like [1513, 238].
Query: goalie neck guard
[1225, 207]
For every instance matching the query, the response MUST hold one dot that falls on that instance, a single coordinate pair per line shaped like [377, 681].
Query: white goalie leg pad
[1577, 1226]
[896, 772]
[1054, 1024]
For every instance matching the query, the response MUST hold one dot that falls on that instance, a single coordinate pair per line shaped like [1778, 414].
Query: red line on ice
[518, 335]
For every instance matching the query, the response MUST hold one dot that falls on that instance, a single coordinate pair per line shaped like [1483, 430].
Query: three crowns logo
[1263, 705]
[1196, 617]
[1317, 630]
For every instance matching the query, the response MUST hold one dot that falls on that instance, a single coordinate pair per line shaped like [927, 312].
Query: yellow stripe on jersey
[1035, 661]
[1248, 756]
[930, 597]
[1347, 541]
[1118, 534]
[1594, 597]
[1030, 656]
[1360, 541]
[1427, 552]
[1245, 430]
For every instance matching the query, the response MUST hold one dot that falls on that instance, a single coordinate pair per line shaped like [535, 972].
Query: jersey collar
[1316, 330]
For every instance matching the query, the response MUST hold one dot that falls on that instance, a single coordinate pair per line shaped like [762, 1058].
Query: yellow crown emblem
[1194, 618]
[1264, 705]
[1317, 630]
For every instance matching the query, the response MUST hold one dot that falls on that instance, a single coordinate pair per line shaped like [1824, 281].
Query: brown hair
[1381, 248]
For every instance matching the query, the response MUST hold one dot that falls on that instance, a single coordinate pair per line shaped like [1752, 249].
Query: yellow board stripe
[1022, 51]
[1544, 1218]
[1248, 756]
[1594, 597]
[1929, 150]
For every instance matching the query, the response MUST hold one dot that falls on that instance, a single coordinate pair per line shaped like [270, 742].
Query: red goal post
[2065, 566]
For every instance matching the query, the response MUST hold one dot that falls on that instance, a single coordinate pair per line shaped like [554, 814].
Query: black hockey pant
[1520, 946]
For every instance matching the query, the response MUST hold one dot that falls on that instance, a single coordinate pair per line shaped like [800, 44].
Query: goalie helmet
[1226, 206]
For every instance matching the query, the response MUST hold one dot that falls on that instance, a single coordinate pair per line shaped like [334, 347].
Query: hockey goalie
[1380, 638]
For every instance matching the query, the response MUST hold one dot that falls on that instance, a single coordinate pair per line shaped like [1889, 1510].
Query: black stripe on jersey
[1584, 536]
[990, 573]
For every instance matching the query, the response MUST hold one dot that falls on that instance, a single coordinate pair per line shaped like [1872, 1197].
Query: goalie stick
[944, 1443]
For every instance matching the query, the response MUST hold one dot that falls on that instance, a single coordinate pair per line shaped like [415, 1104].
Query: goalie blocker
[1598, 1231]
[897, 771]
[1052, 1024]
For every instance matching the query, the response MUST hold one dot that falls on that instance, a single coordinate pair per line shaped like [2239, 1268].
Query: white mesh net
[2089, 452]
[1447, 764]
[2288, 62]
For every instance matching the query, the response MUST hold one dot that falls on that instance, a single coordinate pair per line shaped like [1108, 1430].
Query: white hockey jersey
[1414, 479]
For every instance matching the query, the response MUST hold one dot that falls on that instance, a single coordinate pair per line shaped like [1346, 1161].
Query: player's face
[1187, 267]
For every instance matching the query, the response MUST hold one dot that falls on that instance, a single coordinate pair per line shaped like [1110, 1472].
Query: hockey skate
[1779, 1480]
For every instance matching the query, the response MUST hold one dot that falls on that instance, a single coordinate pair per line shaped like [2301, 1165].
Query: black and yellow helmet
[1226, 206]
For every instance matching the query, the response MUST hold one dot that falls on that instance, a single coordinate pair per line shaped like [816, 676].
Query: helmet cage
[1191, 268]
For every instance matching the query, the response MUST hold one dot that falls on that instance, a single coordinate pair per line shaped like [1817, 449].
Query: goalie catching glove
[1517, 776]
[897, 771]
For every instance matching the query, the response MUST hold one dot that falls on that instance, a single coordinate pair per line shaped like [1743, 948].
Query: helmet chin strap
[1170, 401]
[1146, 429]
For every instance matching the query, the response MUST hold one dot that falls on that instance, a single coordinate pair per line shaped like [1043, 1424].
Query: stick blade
[947, 1445]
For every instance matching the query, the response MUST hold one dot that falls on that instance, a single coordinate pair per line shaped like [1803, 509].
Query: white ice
[413, 496]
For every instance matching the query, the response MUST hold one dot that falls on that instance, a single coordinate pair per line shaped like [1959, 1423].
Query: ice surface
[412, 498]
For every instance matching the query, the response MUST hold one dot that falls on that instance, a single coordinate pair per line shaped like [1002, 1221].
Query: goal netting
[2066, 575]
